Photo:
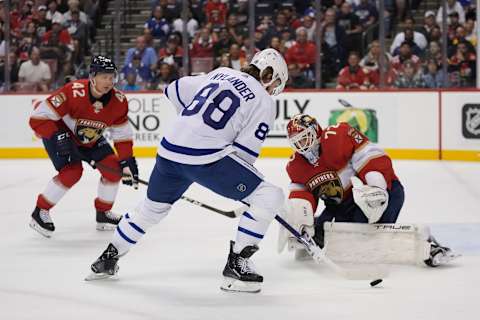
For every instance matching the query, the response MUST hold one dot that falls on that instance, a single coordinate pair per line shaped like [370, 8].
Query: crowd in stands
[218, 35]
[48, 41]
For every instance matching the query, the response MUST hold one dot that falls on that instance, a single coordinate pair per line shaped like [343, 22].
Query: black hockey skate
[107, 220]
[106, 265]
[439, 255]
[239, 274]
[42, 223]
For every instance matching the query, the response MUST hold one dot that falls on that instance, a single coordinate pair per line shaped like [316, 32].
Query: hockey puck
[375, 282]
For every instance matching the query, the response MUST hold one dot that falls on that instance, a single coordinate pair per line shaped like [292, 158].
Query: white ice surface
[175, 272]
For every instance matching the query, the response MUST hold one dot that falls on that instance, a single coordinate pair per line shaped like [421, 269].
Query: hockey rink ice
[175, 271]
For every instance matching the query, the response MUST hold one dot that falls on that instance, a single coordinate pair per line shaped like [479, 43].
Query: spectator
[409, 38]
[334, 37]
[131, 84]
[428, 24]
[260, 38]
[57, 44]
[435, 34]
[276, 44]
[223, 44]
[225, 61]
[149, 57]
[74, 5]
[352, 76]
[35, 71]
[28, 40]
[78, 31]
[174, 9]
[142, 72]
[418, 38]
[433, 76]
[310, 24]
[371, 65]
[409, 77]
[471, 31]
[53, 13]
[276, 29]
[14, 68]
[452, 6]
[460, 36]
[203, 44]
[173, 52]
[404, 54]
[219, 7]
[302, 53]
[237, 57]
[196, 8]
[297, 78]
[192, 25]
[462, 67]
[434, 52]
[351, 24]
[367, 13]
[454, 24]
[43, 24]
[286, 39]
[235, 29]
[157, 25]
[165, 74]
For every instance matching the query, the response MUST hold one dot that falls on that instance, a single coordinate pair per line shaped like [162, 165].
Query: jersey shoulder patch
[119, 95]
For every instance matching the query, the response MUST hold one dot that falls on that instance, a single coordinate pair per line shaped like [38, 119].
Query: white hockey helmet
[271, 58]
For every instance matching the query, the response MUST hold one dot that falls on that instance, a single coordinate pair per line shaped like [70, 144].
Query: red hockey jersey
[72, 108]
[345, 152]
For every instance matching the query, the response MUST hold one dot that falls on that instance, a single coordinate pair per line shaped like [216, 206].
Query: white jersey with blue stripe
[219, 113]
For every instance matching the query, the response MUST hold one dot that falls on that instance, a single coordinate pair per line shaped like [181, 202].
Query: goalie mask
[303, 135]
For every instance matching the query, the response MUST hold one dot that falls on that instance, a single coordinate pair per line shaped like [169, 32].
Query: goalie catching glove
[130, 172]
[371, 200]
[299, 214]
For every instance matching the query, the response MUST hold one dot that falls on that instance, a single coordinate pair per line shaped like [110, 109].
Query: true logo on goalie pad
[327, 186]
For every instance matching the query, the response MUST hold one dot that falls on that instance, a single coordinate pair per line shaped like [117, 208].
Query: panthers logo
[88, 131]
[327, 186]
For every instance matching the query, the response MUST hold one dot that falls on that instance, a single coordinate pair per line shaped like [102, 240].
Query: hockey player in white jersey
[223, 119]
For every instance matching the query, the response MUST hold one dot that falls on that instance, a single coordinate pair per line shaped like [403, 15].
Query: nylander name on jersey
[237, 83]
[223, 112]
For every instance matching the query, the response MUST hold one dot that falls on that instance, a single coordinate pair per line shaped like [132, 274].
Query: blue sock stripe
[127, 216]
[124, 236]
[248, 215]
[250, 233]
[137, 228]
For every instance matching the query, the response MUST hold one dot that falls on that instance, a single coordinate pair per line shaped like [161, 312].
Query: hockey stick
[230, 214]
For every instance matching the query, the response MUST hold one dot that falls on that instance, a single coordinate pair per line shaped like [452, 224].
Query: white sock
[54, 191]
[251, 229]
[107, 191]
[132, 227]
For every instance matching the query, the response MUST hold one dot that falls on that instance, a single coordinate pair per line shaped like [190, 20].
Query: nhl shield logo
[97, 106]
[471, 121]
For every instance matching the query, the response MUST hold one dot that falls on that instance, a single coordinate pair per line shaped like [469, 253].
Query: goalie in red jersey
[71, 122]
[352, 176]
